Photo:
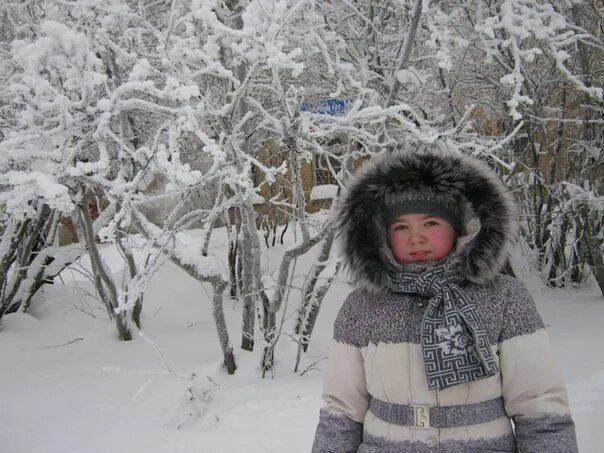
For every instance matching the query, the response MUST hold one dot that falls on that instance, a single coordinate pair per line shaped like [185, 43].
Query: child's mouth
[419, 255]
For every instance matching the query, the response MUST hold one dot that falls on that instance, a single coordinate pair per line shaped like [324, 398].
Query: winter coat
[376, 351]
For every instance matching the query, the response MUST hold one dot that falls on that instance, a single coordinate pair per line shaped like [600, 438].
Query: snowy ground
[67, 385]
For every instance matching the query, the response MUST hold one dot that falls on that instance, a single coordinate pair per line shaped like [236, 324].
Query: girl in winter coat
[436, 351]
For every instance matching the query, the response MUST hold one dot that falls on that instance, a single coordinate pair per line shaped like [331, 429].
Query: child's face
[420, 237]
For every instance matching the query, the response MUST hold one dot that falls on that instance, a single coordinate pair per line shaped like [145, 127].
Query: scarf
[455, 343]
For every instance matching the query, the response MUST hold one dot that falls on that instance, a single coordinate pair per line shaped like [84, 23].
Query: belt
[426, 416]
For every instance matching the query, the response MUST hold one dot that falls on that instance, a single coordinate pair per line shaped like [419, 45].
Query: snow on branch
[33, 186]
[523, 28]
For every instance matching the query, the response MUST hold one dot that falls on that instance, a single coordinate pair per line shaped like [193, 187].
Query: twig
[312, 366]
[54, 345]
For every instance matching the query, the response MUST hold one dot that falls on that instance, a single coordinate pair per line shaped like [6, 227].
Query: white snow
[404, 76]
[68, 385]
[33, 185]
[324, 192]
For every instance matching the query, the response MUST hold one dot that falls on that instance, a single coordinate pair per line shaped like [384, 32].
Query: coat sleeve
[534, 392]
[340, 427]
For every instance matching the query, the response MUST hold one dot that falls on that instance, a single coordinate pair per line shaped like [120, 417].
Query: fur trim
[361, 220]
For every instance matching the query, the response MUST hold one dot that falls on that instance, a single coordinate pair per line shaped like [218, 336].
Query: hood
[490, 212]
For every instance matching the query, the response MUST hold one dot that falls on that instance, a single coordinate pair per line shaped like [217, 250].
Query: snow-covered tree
[100, 100]
[96, 108]
[547, 56]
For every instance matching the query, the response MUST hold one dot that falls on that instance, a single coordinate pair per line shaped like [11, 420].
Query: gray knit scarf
[455, 344]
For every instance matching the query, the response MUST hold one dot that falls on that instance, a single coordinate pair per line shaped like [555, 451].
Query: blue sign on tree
[326, 106]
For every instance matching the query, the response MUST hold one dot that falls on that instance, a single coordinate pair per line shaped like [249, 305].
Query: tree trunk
[12, 238]
[219, 286]
[27, 249]
[247, 290]
[234, 283]
[596, 260]
[404, 63]
[36, 273]
[307, 315]
[103, 282]
[131, 265]
[270, 333]
[212, 222]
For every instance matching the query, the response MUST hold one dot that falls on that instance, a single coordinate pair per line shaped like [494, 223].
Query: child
[436, 351]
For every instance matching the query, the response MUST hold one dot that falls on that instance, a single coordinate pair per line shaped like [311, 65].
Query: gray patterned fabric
[397, 318]
[440, 416]
[337, 434]
[455, 343]
[503, 444]
[550, 433]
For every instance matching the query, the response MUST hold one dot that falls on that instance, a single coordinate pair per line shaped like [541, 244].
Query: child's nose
[416, 236]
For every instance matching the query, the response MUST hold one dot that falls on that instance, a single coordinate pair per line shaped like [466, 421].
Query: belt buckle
[421, 415]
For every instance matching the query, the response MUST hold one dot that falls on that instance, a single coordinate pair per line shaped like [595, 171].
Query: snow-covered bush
[99, 98]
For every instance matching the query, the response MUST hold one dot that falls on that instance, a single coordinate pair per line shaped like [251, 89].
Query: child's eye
[400, 227]
[431, 223]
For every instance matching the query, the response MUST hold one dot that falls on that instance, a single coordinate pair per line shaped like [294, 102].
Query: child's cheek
[442, 243]
[397, 245]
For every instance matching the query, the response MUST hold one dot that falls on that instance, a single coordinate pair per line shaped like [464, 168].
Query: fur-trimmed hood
[361, 212]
